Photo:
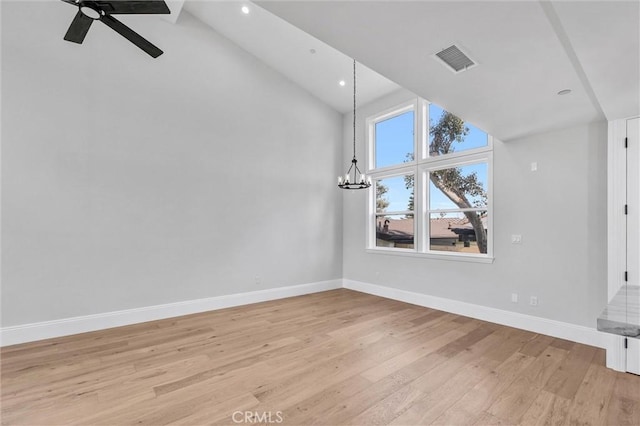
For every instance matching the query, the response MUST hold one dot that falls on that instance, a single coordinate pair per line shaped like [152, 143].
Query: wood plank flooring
[333, 358]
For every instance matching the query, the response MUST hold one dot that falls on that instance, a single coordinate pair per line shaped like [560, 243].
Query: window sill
[456, 257]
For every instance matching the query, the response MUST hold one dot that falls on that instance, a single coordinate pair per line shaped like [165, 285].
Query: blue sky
[394, 139]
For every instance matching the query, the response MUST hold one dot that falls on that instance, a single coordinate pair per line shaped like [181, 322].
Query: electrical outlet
[534, 167]
[257, 279]
[516, 239]
[514, 297]
[533, 301]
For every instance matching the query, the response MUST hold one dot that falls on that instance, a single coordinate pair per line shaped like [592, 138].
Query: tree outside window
[456, 196]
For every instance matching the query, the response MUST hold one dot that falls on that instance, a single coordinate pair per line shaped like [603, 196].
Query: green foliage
[457, 187]
[464, 187]
[448, 130]
[409, 181]
[381, 201]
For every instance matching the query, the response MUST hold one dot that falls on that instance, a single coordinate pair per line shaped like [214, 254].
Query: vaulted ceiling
[301, 57]
[527, 52]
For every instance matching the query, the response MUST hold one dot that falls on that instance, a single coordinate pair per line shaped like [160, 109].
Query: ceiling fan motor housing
[90, 10]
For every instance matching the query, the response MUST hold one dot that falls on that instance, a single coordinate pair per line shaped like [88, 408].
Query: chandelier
[354, 178]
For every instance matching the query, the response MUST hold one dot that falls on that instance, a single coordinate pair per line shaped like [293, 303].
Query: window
[394, 139]
[432, 192]
[394, 212]
[457, 208]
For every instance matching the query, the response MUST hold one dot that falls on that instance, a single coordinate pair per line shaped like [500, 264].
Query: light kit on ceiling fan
[89, 11]
[354, 178]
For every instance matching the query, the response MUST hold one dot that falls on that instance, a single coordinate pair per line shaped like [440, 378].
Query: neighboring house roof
[396, 230]
[444, 227]
[402, 229]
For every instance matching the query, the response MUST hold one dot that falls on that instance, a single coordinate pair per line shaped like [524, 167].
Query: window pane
[458, 187]
[394, 231]
[448, 133]
[394, 140]
[394, 194]
[458, 232]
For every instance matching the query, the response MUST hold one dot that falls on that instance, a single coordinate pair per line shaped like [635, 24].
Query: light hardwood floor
[332, 358]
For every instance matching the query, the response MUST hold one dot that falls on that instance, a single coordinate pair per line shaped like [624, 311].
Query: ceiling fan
[98, 10]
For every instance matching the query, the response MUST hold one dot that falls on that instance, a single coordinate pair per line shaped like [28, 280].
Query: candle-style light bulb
[339, 180]
[346, 178]
[362, 178]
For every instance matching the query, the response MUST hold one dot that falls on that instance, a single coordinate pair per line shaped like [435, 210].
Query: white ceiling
[288, 50]
[527, 51]
[175, 6]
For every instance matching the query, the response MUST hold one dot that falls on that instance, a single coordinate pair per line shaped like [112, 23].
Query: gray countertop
[622, 314]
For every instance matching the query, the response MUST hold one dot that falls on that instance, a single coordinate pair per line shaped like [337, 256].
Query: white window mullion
[422, 111]
[371, 142]
[424, 130]
[462, 210]
[490, 200]
[420, 197]
[371, 216]
[396, 213]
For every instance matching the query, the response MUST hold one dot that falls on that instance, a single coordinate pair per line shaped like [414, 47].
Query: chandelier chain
[354, 178]
[354, 108]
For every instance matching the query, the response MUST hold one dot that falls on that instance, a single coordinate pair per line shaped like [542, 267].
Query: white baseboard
[563, 330]
[64, 327]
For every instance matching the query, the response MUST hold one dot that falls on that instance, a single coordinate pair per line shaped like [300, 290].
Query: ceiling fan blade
[78, 28]
[141, 7]
[131, 35]
[72, 2]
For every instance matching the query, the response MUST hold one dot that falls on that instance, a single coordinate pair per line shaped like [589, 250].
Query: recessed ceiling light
[312, 51]
[564, 92]
[342, 83]
[245, 10]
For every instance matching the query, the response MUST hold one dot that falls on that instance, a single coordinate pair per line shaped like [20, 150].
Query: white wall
[131, 182]
[560, 211]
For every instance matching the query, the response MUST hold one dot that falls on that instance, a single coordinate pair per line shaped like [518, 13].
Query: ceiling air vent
[455, 59]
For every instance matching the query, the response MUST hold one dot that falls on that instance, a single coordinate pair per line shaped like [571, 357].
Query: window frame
[420, 167]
